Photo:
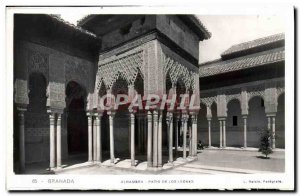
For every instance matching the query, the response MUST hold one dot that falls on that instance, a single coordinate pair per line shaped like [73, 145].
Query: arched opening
[215, 127]
[140, 123]
[234, 124]
[180, 90]
[257, 120]
[280, 125]
[77, 123]
[104, 124]
[202, 125]
[121, 122]
[37, 121]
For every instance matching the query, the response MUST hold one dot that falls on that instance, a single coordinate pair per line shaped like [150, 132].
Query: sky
[226, 31]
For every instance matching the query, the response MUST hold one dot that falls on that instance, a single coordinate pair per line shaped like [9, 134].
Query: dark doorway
[77, 125]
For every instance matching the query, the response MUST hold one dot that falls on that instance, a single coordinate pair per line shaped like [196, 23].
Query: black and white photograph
[119, 98]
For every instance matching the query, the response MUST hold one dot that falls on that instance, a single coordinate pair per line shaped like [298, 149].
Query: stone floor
[210, 161]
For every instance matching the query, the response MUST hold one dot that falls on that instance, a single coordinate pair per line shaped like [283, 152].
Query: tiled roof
[253, 44]
[253, 60]
[58, 18]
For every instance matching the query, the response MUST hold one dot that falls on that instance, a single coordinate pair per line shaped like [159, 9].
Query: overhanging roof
[254, 60]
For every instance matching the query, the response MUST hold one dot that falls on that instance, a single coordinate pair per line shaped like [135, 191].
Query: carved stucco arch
[126, 66]
[208, 101]
[177, 71]
[252, 94]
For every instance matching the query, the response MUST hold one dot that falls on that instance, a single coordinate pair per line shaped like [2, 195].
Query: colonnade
[154, 137]
[222, 127]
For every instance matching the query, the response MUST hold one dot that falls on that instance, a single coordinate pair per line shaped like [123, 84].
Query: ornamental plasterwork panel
[176, 71]
[208, 101]
[126, 67]
[260, 93]
[77, 70]
[233, 96]
[38, 62]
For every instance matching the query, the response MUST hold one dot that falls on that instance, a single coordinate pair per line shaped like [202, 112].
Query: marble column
[21, 139]
[269, 122]
[98, 140]
[139, 132]
[94, 138]
[190, 138]
[176, 133]
[273, 133]
[209, 132]
[132, 143]
[111, 137]
[184, 118]
[90, 137]
[245, 131]
[155, 129]
[149, 141]
[194, 132]
[159, 140]
[221, 137]
[52, 140]
[58, 141]
[170, 129]
[224, 133]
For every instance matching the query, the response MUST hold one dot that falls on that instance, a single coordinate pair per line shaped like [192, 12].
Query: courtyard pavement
[210, 161]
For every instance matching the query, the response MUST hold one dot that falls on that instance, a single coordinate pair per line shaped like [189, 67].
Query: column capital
[244, 116]
[271, 114]
[149, 113]
[111, 113]
[194, 118]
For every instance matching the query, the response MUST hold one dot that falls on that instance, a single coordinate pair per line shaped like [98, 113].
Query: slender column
[149, 142]
[139, 132]
[58, 142]
[190, 139]
[155, 118]
[159, 141]
[111, 137]
[94, 138]
[132, 153]
[224, 133]
[98, 140]
[176, 133]
[221, 140]
[184, 134]
[245, 131]
[21, 139]
[194, 132]
[209, 132]
[52, 140]
[90, 137]
[273, 133]
[269, 122]
[170, 129]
